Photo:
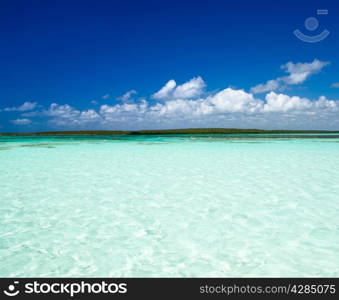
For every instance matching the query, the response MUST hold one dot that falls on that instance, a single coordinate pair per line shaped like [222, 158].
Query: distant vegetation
[168, 131]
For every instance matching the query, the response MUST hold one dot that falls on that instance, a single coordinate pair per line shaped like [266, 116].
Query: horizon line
[168, 131]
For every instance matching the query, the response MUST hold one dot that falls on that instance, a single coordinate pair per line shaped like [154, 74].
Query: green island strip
[169, 131]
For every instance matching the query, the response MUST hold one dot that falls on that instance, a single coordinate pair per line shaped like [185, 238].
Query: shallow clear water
[222, 205]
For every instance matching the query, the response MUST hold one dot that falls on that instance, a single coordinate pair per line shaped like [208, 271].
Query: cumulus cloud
[165, 91]
[21, 121]
[26, 106]
[230, 104]
[298, 74]
[124, 110]
[230, 100]
[66, 115]
[270, 85]
[186, 105]
[127, 96]
[283, 103]
[228, 107]
[62, 111]
[190, 89]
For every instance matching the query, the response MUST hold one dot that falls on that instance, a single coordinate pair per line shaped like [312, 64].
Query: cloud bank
[228, 107]
[188, 105]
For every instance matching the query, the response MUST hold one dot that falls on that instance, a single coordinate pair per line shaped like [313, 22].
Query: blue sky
[99, 65]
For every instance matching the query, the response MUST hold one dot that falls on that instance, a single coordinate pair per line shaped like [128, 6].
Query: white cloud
[127, 96]
[105, 97]
[24, 107]
[89, 114]
[62, 111]
[186, 105]
[298, 74]
[228, 107]
[66, 115]
[190, 89]
[230, 100]
[21, 121]
[106, 110]
[335, 85]
[165, 91]
[270, 85]
[283, 103]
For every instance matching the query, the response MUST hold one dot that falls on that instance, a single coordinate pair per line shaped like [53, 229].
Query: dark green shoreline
[167, 131]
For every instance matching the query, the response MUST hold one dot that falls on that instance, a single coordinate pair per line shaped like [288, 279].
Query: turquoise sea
[169, 206]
